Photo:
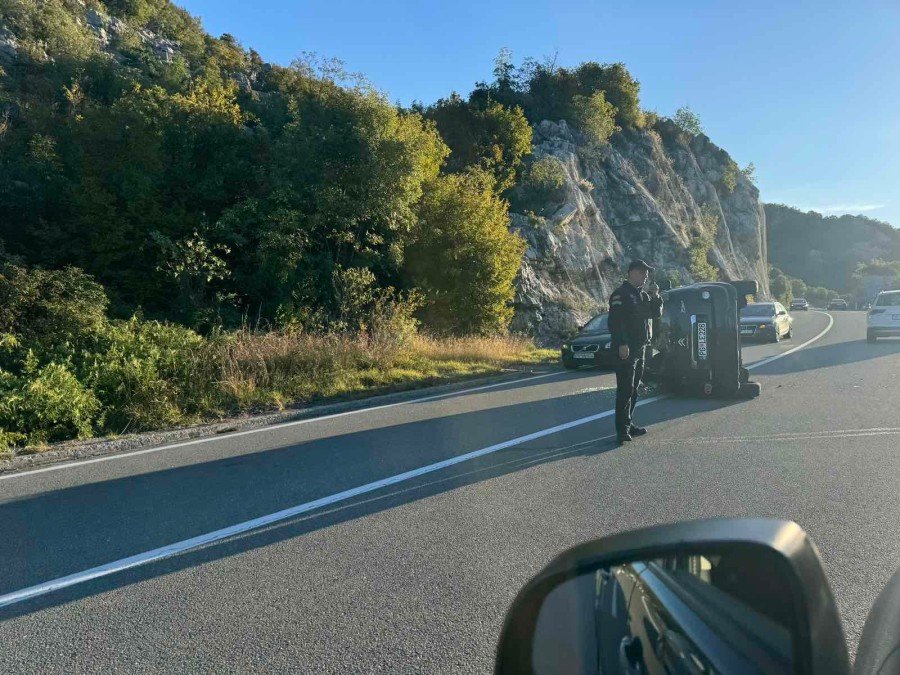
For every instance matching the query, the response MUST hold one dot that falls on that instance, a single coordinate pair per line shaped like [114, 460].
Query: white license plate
[701, 340]
[583, 355]
[746, 331]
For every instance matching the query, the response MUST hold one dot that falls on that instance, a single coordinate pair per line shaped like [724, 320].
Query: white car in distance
[884, 317]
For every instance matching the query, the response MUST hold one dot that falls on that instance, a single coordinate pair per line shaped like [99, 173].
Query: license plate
[701, 340]
[746, 331]
[583, 355]
[895, 317]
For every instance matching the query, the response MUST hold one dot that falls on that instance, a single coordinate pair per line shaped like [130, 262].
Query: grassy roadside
[258, 372]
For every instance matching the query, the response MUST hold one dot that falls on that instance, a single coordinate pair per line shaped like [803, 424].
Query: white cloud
[845, 208]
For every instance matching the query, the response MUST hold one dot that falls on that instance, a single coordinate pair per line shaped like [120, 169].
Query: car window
[598, 323]
[888, 300]
[759, 309]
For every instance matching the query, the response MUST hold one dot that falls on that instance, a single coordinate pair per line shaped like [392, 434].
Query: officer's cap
[639, 265]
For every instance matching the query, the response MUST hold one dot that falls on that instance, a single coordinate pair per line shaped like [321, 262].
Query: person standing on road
[630, 311]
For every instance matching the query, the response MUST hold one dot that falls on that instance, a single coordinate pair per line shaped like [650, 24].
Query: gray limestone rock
[641, 196]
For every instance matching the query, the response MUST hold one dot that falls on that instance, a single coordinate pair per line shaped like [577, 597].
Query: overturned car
[698, 341]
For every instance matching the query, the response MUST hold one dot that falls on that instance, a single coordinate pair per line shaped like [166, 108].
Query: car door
[780, 319]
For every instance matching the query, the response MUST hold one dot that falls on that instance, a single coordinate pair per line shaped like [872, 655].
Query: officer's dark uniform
[630, 313]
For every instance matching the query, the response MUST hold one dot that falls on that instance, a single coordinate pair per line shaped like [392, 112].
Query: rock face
[106, 30]
[645, 195]
[9, 46]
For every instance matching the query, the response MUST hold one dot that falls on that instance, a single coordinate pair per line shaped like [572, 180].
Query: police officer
[630, 311]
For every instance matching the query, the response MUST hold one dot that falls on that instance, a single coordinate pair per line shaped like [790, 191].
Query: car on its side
[767, 321]
[837, 303]
[591, 346]
[801, 304]
[883, 318]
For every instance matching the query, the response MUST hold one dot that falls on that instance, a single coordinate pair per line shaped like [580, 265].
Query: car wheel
[871, 337]
[749, 390]
[569, 365]
[790, 333]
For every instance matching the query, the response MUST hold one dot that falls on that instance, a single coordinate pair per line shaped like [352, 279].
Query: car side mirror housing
[733, 596]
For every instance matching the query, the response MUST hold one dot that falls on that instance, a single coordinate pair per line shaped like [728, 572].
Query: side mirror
[731, 596]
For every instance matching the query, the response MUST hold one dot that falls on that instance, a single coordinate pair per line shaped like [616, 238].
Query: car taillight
[763, 325]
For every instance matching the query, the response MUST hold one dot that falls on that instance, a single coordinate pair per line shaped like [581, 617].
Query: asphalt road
[416, 576]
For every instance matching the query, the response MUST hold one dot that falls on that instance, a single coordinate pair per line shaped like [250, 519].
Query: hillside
[825, 250]
[652, 193]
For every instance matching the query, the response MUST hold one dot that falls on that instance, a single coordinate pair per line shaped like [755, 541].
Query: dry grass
[283, 368]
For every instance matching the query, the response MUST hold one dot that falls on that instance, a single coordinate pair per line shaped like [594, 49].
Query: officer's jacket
[630, 312]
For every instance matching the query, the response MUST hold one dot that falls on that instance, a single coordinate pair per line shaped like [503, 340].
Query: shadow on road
[97, 523]
[834, 354]
[559, 375]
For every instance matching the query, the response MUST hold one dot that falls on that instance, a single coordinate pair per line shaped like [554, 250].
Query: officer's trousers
[628, 377]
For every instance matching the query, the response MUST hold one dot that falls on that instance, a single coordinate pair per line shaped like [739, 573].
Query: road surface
[415, 573]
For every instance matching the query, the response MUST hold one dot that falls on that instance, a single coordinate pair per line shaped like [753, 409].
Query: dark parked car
[765, 321]
[800, 304]
[590, 347]
[837, 303]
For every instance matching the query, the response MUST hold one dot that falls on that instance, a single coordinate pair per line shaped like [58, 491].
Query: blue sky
[807, 91]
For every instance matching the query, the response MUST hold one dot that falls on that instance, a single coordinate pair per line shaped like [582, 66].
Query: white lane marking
[798, 347]
[271, 427]
[263, 521]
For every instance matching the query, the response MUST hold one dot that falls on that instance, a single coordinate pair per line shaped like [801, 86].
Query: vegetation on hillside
[826, 251]
[170, 202]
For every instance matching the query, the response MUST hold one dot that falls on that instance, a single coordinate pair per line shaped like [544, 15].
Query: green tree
[688, 121]
[464, 258]
[595, 116]
[730, 176]
[780, 286]
[492, 137]
[620, 89]
[798, 288]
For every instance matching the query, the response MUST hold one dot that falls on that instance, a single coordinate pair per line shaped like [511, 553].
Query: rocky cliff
[647, 195]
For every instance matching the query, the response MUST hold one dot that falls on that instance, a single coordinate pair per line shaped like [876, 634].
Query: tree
[492, 137]
[464, 258]
[749, 172]
[620, 89]
[688, 121]
[595, 116]
[780, 285]
[798, 288]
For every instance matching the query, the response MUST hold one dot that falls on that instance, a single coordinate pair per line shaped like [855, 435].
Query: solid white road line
[271, 427]
[263, 521]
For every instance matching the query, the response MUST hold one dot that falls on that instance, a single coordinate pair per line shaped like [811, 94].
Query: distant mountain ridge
[824, 250]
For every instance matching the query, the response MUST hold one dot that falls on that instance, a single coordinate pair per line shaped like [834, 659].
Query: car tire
[749, 390]
[568, 365]
[790, 333]
[871, 337]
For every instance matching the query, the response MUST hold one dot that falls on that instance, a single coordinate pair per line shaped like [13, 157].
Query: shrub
[48, 309]
[730, 176]
[152, 374]
[46, 404]
[595, 116]
[688, 121]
